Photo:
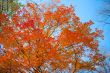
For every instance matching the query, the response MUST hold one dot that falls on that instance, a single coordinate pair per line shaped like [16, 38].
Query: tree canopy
[51, 39]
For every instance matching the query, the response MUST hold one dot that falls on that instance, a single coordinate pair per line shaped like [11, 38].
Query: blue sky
[89, 10]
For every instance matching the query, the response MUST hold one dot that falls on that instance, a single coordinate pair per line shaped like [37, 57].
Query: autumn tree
[51, 39]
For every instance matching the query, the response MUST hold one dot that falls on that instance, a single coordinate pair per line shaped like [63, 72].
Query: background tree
[9, 6]
[105, 12]
[7, 9]
[53, 39]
